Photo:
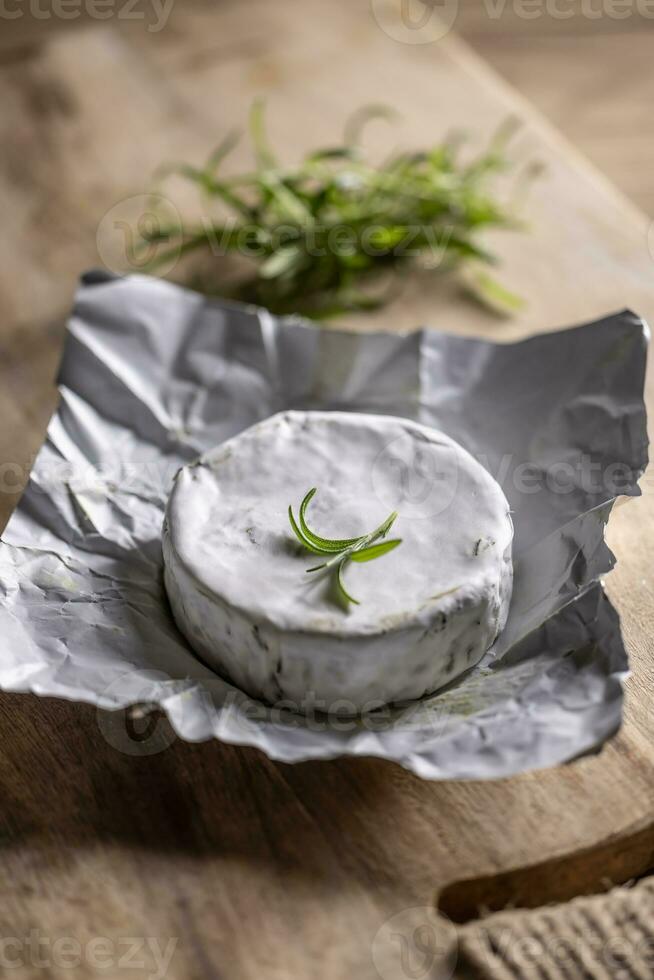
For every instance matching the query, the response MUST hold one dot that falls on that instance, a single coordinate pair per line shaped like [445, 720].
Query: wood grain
[254, 867]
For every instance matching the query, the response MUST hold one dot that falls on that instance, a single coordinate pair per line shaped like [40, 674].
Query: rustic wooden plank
[256, 867]
[66, 161]
[68, 158]
[27, 400]
[607, 115]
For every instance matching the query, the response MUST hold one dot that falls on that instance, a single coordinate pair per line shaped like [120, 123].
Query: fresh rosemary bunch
[341, 551]
[319, 235]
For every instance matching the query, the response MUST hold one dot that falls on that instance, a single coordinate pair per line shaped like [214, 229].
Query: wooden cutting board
[255, 868]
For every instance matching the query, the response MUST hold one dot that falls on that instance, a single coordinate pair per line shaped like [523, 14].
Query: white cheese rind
[236, 576]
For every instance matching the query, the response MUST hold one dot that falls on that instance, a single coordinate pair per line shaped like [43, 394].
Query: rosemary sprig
[340, 551]
[318, 235]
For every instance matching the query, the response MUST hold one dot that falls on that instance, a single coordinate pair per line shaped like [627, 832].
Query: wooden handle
[597, 869]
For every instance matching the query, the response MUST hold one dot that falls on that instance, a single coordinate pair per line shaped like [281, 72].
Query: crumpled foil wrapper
[153, 375]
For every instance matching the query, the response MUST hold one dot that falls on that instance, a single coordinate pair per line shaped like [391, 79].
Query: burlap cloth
[603, 937]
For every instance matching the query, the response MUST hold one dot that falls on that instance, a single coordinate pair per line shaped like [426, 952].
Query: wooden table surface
[210, 860]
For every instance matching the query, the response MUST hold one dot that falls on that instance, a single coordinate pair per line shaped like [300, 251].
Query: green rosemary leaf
[165, 170]
[384, 527]
[289, 205]
[307, 544]
[345, 595]
[375, 550]
[358, 120]
[326, 544]
[281, 263]
[318, 568]
[221, 190]
[331, 153]
[491, 293]
[468, 250]
[341, 551]
[223, 150]
[174, 251]
[263, 154]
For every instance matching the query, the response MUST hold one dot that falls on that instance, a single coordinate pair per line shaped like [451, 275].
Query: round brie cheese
[237, 578]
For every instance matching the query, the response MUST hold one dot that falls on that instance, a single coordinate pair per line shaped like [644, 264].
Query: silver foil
[152, 375]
